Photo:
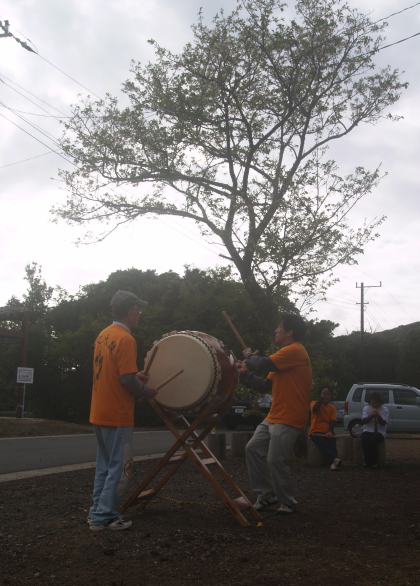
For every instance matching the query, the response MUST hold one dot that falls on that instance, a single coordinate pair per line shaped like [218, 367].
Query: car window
[404, 397]
[383, 392]
[357, 395]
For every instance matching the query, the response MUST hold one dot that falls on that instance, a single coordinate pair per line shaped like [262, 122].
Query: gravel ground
[353, 527]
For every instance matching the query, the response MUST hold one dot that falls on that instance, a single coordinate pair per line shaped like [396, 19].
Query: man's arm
[136, 387]
[318, 405]
[262, 385]
[261, 363]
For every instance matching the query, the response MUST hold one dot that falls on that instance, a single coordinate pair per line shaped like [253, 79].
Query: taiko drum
[209, 370]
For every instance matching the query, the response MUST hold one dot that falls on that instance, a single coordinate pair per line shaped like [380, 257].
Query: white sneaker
[286, 509]
[264, 504]
[336, 464]
[119, 524]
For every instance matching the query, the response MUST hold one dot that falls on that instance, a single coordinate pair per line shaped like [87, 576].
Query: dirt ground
[353, 527]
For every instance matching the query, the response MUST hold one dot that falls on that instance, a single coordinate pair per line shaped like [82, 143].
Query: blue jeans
[268, 454]
[327, 446]
[114, 463]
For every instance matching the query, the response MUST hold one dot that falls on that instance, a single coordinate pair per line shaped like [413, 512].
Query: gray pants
[267, 457]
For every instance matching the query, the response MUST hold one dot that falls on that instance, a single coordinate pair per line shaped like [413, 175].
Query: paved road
[21, 456]
[37, 453]
[33, 453]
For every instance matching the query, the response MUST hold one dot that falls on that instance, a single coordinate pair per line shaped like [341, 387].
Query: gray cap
[126, 298]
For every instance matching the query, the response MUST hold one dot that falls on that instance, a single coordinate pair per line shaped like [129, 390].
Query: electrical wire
[34, 126]
[399, 12]
[396, 301]
[40, 115]
[93, 93]
[30, 159]
[397, 42]
[34, 137]
[69, 76]
[30, 93]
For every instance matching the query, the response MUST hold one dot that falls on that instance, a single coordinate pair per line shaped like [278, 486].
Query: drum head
[190, 352]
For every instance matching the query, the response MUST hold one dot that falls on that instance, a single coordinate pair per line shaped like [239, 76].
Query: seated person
[374, 416]
[321, 432]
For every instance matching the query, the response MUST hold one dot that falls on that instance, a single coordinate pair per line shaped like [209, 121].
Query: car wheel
[356, 428]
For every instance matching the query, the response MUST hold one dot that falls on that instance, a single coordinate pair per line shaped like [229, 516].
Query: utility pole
[362, 324]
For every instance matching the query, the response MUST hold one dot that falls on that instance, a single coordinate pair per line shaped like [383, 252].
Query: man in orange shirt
[116, 385]
[321, 432]
[289, 380]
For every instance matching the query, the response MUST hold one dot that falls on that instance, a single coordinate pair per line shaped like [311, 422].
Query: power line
[72, 162]
[348, 304]
[377, 324]
[34, 126]
[93, 93]
[40, 115]
[397, 302]
[30, 93]
[69, 76]
[398, 42]
[29, 159]
[37, 139]
[335, 305]
[399, 12]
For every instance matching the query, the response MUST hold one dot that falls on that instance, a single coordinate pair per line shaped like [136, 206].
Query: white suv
[403, 403]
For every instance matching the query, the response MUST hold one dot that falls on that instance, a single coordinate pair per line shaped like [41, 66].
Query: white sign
[25, 375]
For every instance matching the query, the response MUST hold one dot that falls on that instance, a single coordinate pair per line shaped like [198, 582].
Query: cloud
[93, 43]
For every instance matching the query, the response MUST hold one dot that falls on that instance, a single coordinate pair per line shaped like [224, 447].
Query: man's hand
[241, 366]
[149, 393]
[143, 377]
[329, 434]
[248, 351]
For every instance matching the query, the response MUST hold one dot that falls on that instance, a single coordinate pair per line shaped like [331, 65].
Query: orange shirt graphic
[291, 386]
[320, 421]
[115, 354]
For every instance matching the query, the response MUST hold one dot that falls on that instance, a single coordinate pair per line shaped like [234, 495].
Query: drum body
[209, 371]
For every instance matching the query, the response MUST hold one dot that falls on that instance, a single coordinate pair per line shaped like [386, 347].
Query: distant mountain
[399, 332]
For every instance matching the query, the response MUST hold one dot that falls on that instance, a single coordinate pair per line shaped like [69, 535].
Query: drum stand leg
[191, 440]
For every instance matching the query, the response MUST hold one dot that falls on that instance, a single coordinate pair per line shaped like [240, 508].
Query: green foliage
[245, 393]
[232, 133]
[61, 340]
[318, 342]
[39, 294]
[8, 369]
[61, 337]
[408, 368]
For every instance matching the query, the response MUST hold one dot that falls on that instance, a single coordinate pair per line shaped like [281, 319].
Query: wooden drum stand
[192, 442]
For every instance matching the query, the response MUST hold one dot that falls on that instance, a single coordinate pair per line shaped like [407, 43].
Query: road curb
[70, 468]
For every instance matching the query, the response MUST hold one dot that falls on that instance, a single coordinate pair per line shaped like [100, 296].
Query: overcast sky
[86, 48]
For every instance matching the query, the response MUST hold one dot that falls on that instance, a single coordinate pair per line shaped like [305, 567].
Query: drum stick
[168, 380]
[152, 357]
[234, 330]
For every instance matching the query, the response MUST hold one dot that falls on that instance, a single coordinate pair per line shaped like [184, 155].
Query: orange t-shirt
[320, 421]
[291, 386]
[115, 353]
